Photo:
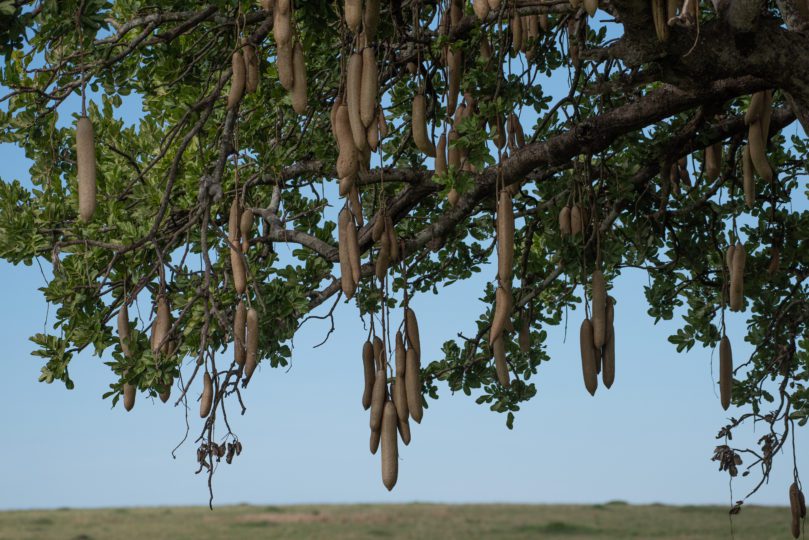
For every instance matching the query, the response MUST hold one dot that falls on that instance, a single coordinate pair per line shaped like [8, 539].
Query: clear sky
[648, 439]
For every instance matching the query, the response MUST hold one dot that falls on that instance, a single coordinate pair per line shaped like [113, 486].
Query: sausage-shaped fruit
[378, 400]
[86, 168]
[500, 362]
[129, 396]
[419, 125]
[237, 82]
[412, 330]
[390, 446]
[588, 359]
[123, 329]
[206, 400]
[725, 372]
[240, 334]
[599, 317]
[413, 386]
[368, 373]
[251, 359]
[298, 91]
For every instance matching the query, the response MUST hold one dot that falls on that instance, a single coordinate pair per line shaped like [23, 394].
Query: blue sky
[648, 439]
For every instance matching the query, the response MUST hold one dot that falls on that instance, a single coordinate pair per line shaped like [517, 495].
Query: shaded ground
[412, 521]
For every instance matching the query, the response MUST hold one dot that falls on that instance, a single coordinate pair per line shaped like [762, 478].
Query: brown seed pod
[346, 275]
[368, 373]
[608, 357]
[378, 400]
[502, 311]
[378, 228]
[749, 182]
[161, 326]
[390, 449]
[372, 135]
[413, 385]
[412, 331]
[453, 196]
[565, 226]
[206, 400]
[379, 349]
[354, 100]
[576, 221]
[532, 29]
[505, 238]
[370, 19]
[383, 124]
[353, 14]
[375, 436]
[500, 136]
[588, 357]
[525, 333]
[454, 76]
[441, 155]
[390, 230]
[737, 278]
[404, 429]
[754, 110]
[299, 102]
[481, 8]
[713, 162]
[725, 372]
[766, 116]
[591, 6]
[237, 82]
[283, 62]
[86, 168]
[599, 316]
[240, 334]
[345, 185]
[246, 229]
[515, 128]
[347, 160]
[251, 360]
[369, 86]
[282, 23]
[335, 106]
[453, 152]
[500, 362]
[129, 396]
[399, 390]
[250, 68]
[123, 329]
[758, 153]
[515, 26]
[353, 250]
[234, 217]
[419, 126]
[239, 271]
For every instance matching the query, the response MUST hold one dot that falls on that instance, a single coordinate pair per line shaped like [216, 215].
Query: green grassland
[411, 521]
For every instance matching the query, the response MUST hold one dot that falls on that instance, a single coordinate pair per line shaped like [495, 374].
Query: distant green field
[417, 521]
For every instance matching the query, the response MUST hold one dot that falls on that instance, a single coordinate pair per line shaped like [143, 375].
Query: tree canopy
[399, 147]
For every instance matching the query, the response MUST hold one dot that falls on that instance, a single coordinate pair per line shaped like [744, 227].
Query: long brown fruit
[298, 91]
[412, 330]
[725, 372]
[123, 329]
[413, 386]
[353, 246]
[250, 68]
[346, 276]
[251, 358]
[368, 371]
[441, 155]
[749, 181]
[599, 316]
[206, 400]
[347, 159]
[161, 326]
[129, 396]
[758, 152]
[86, 168]
[588, 359]
[737, 278]
[240, 334]
[370, 19]
[368, 87]
[419, 125]
[390, 447]
[502, 311]
[399, 389]
[505, 238]
[500, 362]
[378, 400]
[237, 82]
[353, 99]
